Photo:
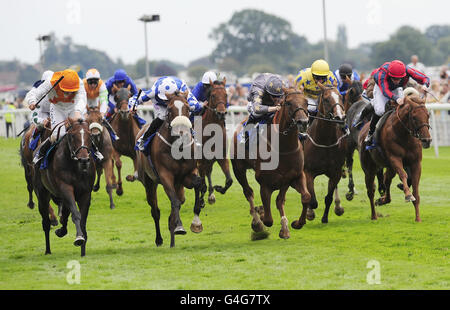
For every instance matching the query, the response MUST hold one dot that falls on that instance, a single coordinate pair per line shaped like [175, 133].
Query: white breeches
[379, 100]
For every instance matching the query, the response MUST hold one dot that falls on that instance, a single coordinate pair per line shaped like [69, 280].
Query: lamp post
[41, 39]
[147, 19]
[325, 43]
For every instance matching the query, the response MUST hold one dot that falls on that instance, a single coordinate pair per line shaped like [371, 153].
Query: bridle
[220, 115]
[73, 154]
[328, 115]
[415, 131]
[293, 122]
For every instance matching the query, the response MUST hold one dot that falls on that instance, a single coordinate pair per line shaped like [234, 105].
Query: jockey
[308, 79]
[120, 79]
[202, 88]
[390, 79]
[345, 75]
[157, 94]
[67, 99]
[97, 94]
[40, 116]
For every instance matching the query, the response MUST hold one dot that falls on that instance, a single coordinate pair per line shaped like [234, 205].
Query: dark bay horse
[70, 177]
[216, 110]
[167, 167]
[126, 127]
[401, 139]
[357, 109]
[291, 119]
[26, 157]
[325, 149]
[102, 140]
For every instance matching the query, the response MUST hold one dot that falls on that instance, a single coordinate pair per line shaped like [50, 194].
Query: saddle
[377, 152]
[46, 160]
[147, 144]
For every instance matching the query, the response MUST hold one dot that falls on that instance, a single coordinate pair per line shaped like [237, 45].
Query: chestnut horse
[126, 127]
[26, 157]
[70, 177]
[174, 173]
[216, 110]
[325, 149]
[102, 140]
[291, 119]
[400, 140]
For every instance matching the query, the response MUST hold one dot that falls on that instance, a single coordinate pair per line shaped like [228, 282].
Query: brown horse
[69, 177]
[400, 140]
[26, 157]
[166, 166]
[290, 119]
[126, 128]
[325, 149]
[102, 140]
[215, 114]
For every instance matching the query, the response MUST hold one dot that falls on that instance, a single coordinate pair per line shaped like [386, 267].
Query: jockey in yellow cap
[308, 78]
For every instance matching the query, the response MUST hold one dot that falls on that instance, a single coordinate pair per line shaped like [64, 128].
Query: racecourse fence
[439, 121]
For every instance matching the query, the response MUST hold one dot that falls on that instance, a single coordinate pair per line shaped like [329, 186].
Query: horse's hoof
[349, 196]
[96, 188]
[112, 207]
[410, 198]
[211, 199]
[31, 205]
[119, 191]
[79, 241]
[130, 178]
[310, 215]
[196, 228]
[61, 232]
[219, 189]
[297, 225]
[257, 227]
[284, 234]
[339, 211]
[158, 242]
[324, 220]
[179, 230]
[54, 222]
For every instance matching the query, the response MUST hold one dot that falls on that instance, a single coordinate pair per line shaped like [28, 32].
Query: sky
[182, 33]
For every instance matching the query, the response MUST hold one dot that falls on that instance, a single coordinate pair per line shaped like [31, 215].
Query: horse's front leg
[351, 185]
[69, 201]
[338, 209]
[119, 189]
[109, 177]
[211, 197]
[175, 224]
[397, 165]
[99, 169]
[84, 203]
[386, 198]
[300, 186]
[266, 194]
[415, 172]
[225, 166]
[132, 178]
[196, 182]
[332, 186]
[281, 199]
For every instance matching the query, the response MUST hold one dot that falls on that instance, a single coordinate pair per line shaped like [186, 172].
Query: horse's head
[121, 97]
[217, 98]
[330, 104]
[79, 142]
[95, 119]
[418, 119]
[178, 115]
[296, 105]
[353, 94]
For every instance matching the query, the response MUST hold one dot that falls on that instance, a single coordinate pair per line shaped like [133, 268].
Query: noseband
[415, 130]
[328, 115]
[293, 122]
[219, 114]
[73, 154]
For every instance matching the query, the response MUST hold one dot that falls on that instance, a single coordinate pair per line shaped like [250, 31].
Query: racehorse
[161, 167]
[325, 149]
[357, 109]
[102, 140]
[70, 177]
[127, 128]
[291, 119]
[26, 157]
[215, 114]
[400, 141]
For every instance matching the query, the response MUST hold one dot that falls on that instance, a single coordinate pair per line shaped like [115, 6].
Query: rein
[324, 115]
[291, 115]
[415, 131]
[73, 154]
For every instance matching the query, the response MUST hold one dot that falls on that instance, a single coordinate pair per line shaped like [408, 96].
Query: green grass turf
[121, 253]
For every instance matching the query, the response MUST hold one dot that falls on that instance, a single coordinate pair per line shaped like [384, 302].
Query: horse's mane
[416, 99]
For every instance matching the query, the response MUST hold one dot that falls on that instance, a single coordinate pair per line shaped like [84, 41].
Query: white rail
[439, 121]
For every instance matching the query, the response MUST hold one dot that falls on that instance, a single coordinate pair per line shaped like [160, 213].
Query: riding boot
[45, 146]
[373, 125]
[367, 111]
[108, 126]
[154, 126]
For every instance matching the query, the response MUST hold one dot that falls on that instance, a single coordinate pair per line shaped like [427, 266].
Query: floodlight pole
[41, 39]
[325, 42]
[146, 19]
